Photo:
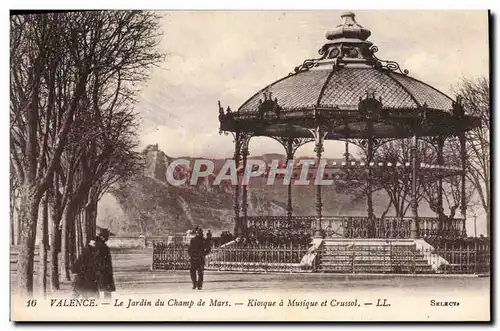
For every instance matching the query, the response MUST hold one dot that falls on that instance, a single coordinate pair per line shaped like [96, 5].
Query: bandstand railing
[170, 256]
[462, 255]
[266, 256]
[360, 226]
[456, 255]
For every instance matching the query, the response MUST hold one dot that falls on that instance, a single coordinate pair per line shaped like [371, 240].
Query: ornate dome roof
[347, 70]
[349, 93]
[341, 89]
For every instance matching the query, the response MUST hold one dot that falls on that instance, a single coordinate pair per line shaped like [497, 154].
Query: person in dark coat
[94, 269]
[209, 238]
[106, 279]
[198, 249]
[86, 278]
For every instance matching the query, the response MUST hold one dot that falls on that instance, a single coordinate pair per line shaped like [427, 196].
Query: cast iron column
[244, 198]
[440, 160]
[463, 159]
[414, 204]
[318, 148]
[346, 154]
[369, 197]
[236, 202]
[289, 158]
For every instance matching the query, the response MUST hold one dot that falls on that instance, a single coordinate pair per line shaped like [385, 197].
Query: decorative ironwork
[244, 256]
[241, 141]
[226, 120]
[363, 143]
[170, 256]
[405, 113]
[379, 257]
[370, 107]
[456, 255]
[291, 145]
[279, 229]
[434, 141]
[458, 109]
[462, 255]
[311, 63]
[393, 228]
[354, 226]
[269, 105]
[386, 64]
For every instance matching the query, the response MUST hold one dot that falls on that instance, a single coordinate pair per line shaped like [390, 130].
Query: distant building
[155, 162]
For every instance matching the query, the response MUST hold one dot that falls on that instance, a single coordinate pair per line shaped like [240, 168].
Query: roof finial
[348, 17]
[349, 29]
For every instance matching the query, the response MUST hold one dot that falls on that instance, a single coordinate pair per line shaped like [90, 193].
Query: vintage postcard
[250, 166]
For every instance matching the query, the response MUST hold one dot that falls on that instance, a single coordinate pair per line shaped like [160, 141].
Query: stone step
[373, 257]
[374, 265]
[381, 271]
[365, 262]
[367, 251]
[354, 253]
[369, 242]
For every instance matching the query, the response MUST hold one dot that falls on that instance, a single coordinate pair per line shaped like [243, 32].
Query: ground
[402, 297]
[133, 275]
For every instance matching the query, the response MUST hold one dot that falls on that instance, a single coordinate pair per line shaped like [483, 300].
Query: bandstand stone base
[278, 244]
[349, 256]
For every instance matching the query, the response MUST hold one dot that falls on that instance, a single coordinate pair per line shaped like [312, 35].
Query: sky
[230, 55]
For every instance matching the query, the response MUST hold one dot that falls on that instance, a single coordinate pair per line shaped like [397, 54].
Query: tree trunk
[13, 217]
[85, 228]
[488, 223]
[44, 246]
[79, 234]
[71, 242]
[28, 218]
[19, 226]
[66, 221]
[12, 222]
[55, 241]
[55, 234]
[93, 220]
[90, 219]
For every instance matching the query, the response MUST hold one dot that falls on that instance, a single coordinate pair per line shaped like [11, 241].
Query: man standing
[94, 269]
[198, 249]
[106, 279]
[86, 278]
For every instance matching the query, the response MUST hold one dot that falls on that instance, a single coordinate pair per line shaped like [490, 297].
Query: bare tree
[451, 186]
[395, 181]
[476, 101]
[36, 45]
[57, 62]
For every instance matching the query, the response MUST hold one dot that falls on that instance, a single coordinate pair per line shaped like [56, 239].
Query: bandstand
[349, 94]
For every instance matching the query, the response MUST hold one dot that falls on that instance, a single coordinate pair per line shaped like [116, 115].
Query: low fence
[408, 258]
[471, 256]
[235, 256]
[256, 257]
[444, 257]
[170, 256]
